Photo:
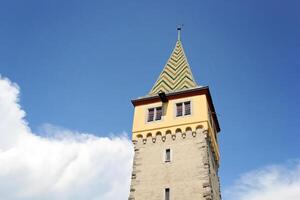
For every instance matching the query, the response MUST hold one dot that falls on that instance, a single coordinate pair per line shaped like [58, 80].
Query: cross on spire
[179, 27]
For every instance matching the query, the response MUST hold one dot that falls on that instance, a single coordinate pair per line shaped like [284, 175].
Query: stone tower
[174, 133]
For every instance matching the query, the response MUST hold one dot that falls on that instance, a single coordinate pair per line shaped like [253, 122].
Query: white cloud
[62, 165]
[275, 182]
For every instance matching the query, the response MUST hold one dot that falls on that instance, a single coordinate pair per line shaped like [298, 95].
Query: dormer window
[183, 108]
[154, 114]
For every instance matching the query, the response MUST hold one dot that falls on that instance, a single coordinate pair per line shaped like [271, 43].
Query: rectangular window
[178, 109]
[167, 193]
[154, 114]
[150, 114]
[183, 108]
[168, 155]
[187, 108]
[158, 113]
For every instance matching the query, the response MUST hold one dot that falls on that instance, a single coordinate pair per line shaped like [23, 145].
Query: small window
[154, 114]
[150, 114]
[178, 109]
[167, 193]
[183, 108]
[168, 155]
[187, 108]
[158, 113]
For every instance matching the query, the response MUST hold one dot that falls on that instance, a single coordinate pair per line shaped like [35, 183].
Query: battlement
[186, 147]
[169, 137]
[166, 133]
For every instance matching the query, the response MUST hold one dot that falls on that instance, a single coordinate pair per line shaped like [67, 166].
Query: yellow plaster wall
[169, 121]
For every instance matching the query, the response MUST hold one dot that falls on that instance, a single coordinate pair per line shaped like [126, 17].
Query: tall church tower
[174, 133]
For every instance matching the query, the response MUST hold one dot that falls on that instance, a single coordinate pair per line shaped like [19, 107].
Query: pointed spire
[176, 74]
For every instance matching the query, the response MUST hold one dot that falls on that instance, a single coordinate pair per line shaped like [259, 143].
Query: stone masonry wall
[191, 174]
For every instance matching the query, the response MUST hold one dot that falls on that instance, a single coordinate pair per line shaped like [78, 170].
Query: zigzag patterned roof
[176, 74]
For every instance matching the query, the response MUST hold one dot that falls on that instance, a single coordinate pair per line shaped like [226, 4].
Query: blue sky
[79, 63]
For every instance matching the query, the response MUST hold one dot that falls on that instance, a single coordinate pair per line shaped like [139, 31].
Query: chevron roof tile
[176, 74]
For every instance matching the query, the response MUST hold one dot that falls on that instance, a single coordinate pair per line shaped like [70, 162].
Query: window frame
[155, 118]
[148, 115]
[177, 107]
[190, 109]
[183, 107]
[155, 113]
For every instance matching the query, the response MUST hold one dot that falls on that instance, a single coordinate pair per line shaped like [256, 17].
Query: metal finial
[179, 27]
